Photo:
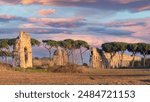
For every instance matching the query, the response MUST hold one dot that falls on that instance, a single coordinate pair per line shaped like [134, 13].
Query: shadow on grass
[138, 75]
[148, 67]
[145, 80]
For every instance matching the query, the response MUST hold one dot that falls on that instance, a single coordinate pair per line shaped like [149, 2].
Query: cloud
[55, 2]
[125, 1]
[46, 12]
[7, 18]
[33, 30]
[68, 22]
[29, 25]
[143, 8]
[139, 27]
[109, 31]
[59, 22]
[116, 5]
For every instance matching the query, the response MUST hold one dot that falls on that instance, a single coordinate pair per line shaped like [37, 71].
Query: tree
[144, 49]
[4, 48]
[3, 44]
[49, 45]
[83, 47]
[35, 42]
[134, 49]
[69, 46]
[111, 48]
[12, 42]
[122, 47]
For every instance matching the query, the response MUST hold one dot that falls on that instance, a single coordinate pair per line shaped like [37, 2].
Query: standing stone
[23, 51]
[60, 57]
[95, 58]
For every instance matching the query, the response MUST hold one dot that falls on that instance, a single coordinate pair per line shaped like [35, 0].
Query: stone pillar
[60, 57]
[95, 59]
[65, 57]
[23, 48]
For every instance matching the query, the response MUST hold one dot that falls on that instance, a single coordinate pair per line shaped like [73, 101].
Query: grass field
[90, 77]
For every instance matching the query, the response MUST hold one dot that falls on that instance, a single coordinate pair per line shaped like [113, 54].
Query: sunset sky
[95, 21]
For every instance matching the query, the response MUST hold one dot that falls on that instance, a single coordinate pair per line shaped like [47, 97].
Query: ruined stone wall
[116, 61]
[23, 51]
[100, 59]
[60, 57]
[95, 59]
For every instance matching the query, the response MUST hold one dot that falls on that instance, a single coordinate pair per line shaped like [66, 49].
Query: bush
[85, 64]
[66, 69]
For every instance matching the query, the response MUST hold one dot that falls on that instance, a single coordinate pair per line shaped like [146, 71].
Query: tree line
[74, 47]
[120, 47]
[7, 45]
[70, 46]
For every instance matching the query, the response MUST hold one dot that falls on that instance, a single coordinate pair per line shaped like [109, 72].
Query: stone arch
[23, 49]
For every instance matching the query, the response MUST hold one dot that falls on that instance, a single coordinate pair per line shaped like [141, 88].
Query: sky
[95, 21]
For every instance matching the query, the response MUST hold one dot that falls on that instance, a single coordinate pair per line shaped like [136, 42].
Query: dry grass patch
[67, 69]
[42, 63]
[5, 67]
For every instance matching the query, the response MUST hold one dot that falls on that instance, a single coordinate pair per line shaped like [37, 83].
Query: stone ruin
[60, 57]
[23, 51]
[100, 59]
[127, 59]
[95, 58]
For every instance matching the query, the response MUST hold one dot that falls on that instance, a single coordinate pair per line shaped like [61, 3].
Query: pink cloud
[58, 22]
[29, 25]
[46, 12]
[7, 17]
[143, 8]
[115, 5]
[139, 27]
[30, 1]
[54, 2]
[3, 2]
[55, 20]
[125, 1]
